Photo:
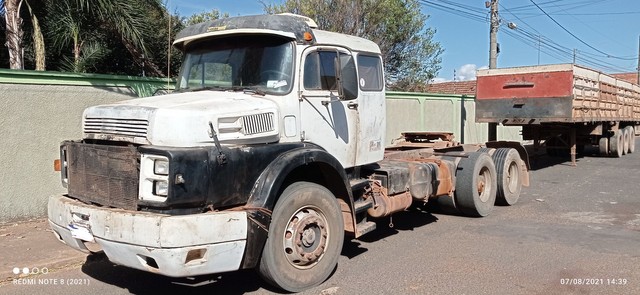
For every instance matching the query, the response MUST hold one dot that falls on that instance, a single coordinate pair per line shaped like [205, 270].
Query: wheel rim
[306, 237]
[513, 177]
[484, 184]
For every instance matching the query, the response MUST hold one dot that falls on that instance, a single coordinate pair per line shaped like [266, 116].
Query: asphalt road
[576, 230]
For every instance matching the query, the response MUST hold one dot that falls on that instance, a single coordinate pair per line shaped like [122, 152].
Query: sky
[600, 34]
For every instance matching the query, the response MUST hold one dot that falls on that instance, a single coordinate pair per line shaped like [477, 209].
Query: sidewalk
[31, 244]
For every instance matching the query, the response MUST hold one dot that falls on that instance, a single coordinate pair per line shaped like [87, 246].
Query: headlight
[161, 167]
[161, 188]
[154, 178]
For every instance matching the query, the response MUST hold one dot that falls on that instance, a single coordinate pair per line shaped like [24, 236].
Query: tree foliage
[204, 16]
[411, 56]
[106, 36]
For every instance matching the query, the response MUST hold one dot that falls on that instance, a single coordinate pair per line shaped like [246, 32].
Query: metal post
[492, 132]
[638, 60]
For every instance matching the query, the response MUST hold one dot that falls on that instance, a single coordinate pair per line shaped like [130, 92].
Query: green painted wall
[141, 86]
[411, 111]
[41, 109]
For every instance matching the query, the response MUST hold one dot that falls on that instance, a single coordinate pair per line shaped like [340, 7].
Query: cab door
[326, 119]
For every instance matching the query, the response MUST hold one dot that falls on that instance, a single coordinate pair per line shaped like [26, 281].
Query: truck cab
[270, 149]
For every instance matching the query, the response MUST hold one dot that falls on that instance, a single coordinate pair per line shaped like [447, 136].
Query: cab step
[362, 205]
[365, 227]
[358, 184]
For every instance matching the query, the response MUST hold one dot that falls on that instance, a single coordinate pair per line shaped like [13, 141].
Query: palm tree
[124, 17]
[14, 33]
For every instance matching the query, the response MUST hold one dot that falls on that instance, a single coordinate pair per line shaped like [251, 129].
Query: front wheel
[305, 238]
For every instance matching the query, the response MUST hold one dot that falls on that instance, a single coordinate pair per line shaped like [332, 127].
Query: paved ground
[576, 230]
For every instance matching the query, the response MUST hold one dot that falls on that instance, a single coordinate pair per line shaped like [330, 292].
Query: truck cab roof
[296, 27]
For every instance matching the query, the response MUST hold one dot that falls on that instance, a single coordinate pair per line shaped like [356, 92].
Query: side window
[370, 72]
[319, 71]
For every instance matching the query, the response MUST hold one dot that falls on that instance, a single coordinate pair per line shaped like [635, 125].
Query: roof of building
[453, 87]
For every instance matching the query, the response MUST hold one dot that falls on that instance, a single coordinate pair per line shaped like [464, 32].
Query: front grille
[104, 175]
[115, 126]
[259, 123]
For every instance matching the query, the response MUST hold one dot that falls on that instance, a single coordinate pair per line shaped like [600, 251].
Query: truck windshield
[259, 63]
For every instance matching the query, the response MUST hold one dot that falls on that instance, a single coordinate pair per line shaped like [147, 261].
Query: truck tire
[508, 168]
[603, 146]
[626, 138]
[616, 142]
[305, 238]
[632, 139]
[475, 193]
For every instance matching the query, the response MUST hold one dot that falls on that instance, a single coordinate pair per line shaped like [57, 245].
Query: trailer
[564, 106]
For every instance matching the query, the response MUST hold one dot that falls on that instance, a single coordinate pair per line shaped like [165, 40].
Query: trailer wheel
[476, 184]
[603, 146]
[626, 138]
[508, 167]
[616, 143]
[305, 238]
[632, 139]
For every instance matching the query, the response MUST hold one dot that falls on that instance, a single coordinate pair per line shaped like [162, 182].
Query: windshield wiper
[249, 89]
[217, 88]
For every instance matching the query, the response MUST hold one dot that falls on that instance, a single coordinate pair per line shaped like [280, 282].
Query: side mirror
[346, 77]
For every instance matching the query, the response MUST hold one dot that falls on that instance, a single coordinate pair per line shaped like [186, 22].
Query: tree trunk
[14, 33]
[141, 60]
[38, 41]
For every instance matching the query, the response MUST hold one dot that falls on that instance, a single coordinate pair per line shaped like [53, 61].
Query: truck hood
[182, 119]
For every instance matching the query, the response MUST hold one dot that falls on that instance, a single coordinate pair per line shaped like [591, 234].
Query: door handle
[353, 105]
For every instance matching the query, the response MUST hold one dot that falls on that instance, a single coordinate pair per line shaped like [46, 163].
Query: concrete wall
[34, 119]
[439, 112]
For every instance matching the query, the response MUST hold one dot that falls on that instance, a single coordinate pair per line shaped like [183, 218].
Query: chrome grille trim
[259, 123]
[115, 126]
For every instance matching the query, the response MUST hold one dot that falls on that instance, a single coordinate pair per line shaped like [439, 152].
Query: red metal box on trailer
[563, 93]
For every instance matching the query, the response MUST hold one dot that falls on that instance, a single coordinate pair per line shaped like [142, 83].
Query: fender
[267, 188]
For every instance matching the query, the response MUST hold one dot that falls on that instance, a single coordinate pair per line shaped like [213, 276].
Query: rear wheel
[508, 167]
[632, 139]
[305, 238]
[616, 142]
[603, 146]
[476, 184]
[626, 138]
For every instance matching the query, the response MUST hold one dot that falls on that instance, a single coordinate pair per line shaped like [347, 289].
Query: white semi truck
[270, 151]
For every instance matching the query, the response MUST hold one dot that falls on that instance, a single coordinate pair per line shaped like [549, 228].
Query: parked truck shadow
[414, 217]
[541, 160]
[136, 281]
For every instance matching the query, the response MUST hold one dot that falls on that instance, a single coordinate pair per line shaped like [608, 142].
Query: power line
[533, 38]
[569, 32]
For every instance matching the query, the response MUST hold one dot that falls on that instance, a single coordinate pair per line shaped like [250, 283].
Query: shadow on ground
[135, 281]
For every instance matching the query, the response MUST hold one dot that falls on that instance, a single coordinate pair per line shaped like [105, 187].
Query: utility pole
[638, 61]
[492, 133]
[493, 35]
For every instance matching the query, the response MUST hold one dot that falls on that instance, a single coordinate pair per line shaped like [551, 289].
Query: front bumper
[175, 246]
